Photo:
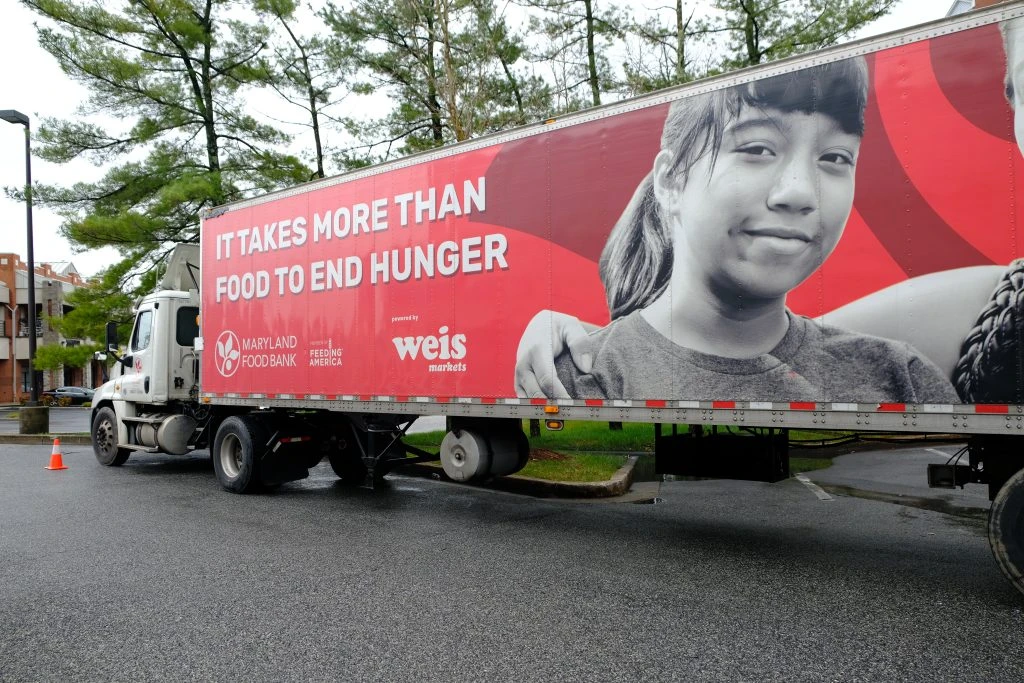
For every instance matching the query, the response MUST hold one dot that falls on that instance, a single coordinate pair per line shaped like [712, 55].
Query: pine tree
[174, 134]
[764, 30]
[449, 67]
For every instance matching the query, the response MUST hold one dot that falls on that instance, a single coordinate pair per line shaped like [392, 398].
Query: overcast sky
[34, 85]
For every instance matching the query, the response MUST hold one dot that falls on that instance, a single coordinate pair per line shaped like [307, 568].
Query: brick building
[53, 283]
[961, 6]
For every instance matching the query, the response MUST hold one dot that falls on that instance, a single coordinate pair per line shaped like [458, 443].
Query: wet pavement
[900, 475]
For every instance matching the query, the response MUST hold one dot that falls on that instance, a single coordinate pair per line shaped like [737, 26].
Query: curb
[619, 484]
[31, 439]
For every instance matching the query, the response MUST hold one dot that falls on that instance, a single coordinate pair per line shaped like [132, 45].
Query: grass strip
[577, 467]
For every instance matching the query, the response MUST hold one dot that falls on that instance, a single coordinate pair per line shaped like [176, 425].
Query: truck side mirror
[112, 336]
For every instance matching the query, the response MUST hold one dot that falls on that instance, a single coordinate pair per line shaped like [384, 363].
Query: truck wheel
[347, 463]
[104, 439]
[465, 457]
[1006, 529]
[236, 451]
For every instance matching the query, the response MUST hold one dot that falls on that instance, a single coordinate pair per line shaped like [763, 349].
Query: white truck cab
[150, 405]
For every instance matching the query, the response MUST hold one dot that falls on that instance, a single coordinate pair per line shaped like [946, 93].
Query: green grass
[808, 464]
[578, 467]
[817, 436]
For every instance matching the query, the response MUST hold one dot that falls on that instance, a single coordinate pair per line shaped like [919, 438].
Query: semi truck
[826, 242]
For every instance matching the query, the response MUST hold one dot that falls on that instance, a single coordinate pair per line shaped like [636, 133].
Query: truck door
[137, 381]
[184, 363]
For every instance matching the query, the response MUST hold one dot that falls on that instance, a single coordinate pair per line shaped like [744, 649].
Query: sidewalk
[70, 424]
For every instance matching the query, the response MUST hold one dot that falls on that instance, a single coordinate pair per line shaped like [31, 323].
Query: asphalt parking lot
[151, 571]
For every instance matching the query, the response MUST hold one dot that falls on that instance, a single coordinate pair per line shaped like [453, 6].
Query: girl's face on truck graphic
[1013, 40]
[756, 220]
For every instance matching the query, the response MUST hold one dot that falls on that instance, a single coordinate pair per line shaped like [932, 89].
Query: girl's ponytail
[636, 263]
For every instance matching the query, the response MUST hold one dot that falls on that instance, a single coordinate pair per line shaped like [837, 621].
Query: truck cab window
[143, 331]
[186, 329]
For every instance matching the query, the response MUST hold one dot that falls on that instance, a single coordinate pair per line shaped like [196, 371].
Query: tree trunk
[433, 105]
[751, 33]
[595, 83]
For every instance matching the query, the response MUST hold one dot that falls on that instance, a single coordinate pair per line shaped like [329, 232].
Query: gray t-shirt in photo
[813, 362]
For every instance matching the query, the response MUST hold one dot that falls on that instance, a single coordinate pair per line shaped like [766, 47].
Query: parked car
[78, 395]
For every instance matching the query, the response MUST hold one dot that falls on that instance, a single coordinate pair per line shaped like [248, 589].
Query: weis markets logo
[228, 351]
[254, 352]
[440, 347]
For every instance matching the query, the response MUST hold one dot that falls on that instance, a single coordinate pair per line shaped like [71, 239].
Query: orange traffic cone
[56, 459]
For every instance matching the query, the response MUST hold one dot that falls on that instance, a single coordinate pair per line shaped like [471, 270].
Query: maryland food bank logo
[228, 352]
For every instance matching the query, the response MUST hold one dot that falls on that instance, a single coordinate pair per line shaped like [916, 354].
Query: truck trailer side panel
[410, 287]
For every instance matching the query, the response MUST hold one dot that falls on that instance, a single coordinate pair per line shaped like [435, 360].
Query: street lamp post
[12, 116]
[34, 418]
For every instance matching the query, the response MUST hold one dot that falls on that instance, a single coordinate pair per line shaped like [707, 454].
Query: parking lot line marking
[936, 451]
[813, 487]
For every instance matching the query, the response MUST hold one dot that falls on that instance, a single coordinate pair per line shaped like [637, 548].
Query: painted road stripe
[936, 451]
[813, 487]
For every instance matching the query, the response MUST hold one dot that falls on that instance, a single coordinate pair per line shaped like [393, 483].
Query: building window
[23, 328]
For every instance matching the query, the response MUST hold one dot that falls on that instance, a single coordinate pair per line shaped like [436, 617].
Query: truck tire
[347, 462]
[236, 452]
[465, 456]
[104, 439]
[1006, 529]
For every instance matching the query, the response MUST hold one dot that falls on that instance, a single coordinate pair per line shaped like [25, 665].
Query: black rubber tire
[347, 462]
[104, 439]
[1006, 529]
[236, 450]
